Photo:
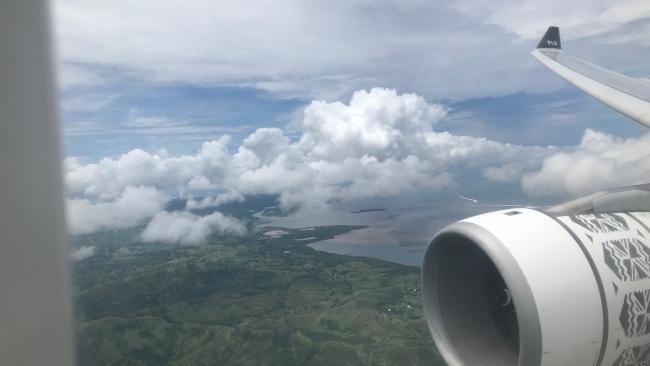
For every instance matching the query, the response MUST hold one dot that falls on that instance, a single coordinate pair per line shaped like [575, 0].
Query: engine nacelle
[569, 286]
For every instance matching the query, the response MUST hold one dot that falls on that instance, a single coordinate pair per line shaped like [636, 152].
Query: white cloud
[109, 177]
[81, 253]
[216, 201]
[131, 208]
[151, 122]
[186, 228]
[379, 123]
[200, 183]
[601, 161]
[266, 144]
[381, 143]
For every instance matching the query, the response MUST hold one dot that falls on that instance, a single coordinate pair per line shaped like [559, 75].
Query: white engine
[569, 286]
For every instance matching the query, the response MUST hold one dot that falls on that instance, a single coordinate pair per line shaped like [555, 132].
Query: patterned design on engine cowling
[601, 223]
[628, 258]
[619, 246]
[634, 356]
[635, 314]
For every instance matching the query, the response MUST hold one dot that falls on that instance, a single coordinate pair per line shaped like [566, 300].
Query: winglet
[551, 39]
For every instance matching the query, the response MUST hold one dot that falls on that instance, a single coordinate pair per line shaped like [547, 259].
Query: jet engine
[565, 286]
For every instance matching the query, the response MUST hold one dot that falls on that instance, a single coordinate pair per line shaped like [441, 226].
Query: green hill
[256, 300]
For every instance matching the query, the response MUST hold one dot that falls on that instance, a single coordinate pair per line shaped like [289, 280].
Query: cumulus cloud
[109, 177]
[214, 201]
[81, 253]
[380, 143]
[186, 228]
[380, 123]
[131, 208]
[601, 161]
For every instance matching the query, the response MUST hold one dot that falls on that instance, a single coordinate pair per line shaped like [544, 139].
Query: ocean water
[398, 229]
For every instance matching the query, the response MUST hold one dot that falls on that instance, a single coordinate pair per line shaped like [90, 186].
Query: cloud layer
[578, 18]
[327, 50]
[380, 143]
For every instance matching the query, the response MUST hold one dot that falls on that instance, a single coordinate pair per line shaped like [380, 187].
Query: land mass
[364, 210]
[262, 299]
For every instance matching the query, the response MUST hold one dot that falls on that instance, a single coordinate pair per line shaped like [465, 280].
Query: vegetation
[264, 299]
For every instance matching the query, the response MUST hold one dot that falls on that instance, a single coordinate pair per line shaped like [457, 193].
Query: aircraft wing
[625, 94]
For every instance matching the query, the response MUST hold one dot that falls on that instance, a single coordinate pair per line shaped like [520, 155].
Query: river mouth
[368, 242]
[396, 231]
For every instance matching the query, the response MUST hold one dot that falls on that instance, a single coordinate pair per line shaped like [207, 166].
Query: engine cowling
[569, 286]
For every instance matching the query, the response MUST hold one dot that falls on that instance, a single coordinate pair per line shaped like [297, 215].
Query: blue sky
[554, 118]
[176, 117]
